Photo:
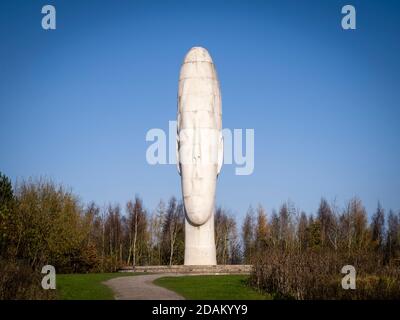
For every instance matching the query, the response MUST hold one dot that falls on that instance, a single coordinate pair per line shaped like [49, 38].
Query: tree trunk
[134, 240]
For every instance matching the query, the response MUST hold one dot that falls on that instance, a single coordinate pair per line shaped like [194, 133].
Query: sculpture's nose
[197, 172]
[196, 154]
[197, 159]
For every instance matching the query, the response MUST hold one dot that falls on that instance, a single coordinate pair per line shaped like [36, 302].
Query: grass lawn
[86, 286]
[233, 287]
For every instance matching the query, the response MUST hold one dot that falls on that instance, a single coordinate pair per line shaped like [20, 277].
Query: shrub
[18, 281]
[315, 274]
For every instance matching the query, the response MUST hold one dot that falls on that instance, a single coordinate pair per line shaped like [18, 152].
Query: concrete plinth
[199, 269]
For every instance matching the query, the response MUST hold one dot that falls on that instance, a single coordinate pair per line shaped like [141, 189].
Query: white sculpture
[199, 150]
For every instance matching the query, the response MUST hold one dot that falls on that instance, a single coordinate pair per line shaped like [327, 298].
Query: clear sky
[76, 102]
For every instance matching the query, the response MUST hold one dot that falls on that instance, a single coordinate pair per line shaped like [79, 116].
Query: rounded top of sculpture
[198, 54]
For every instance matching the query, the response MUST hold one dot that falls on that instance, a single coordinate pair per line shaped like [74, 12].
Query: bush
[18, 281]
[315, 274]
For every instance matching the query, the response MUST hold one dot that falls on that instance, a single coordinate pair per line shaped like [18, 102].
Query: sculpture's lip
[198, 54]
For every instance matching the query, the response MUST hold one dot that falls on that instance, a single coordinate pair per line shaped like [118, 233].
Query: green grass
[86, 286]
[232, 287]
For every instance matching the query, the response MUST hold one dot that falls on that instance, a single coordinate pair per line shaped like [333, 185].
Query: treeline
[294, 254]
[43, 223]
[300, 256]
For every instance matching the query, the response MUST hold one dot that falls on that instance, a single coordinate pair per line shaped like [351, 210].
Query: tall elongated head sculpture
[199, 150]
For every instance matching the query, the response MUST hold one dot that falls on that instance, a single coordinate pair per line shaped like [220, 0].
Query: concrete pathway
[141, 287]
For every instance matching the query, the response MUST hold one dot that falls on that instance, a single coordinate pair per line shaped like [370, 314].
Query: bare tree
[393, 235]
[261, 236]
[227, 245]
[302, 231]
[158, 223]
[378, 227]
[173, 226]
[137, 229]
[248, 235]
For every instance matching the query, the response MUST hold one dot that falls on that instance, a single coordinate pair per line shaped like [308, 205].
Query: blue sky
[76, 103]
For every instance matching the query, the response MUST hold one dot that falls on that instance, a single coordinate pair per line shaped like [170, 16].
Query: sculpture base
[179, 269]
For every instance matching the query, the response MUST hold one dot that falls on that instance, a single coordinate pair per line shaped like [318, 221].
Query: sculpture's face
[199, 173]
[199, 137]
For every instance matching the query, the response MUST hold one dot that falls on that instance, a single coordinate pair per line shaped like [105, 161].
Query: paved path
[141, 288]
